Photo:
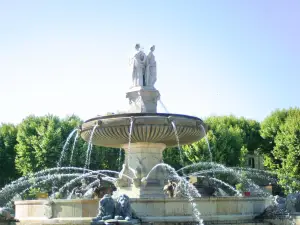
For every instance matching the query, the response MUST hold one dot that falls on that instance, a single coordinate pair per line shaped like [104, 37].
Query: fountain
[147, 190]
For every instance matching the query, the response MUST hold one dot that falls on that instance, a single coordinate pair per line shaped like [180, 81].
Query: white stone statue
[150, 75]
[138, 63]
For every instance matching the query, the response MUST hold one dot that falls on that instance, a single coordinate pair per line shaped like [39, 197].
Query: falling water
[129, 138]
[203, 164]
[178, 142]
[73, 147]
[15, 186]
[48, 179]
[163, 106]
[235, 172]
[120, 158]
[63, 152]
[207, 142]
[189, 190]
[226, 185]
[217, 181]
[89, 150]
[89, 174]
[9, 192]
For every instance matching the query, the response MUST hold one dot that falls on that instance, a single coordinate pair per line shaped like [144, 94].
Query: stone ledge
[148, 199]
[219, 218]
[62, 221]
[42, 202]
[65, 220]
[202, 199]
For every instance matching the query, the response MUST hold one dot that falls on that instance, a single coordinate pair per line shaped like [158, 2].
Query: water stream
[89, 149]
[63, 152]
[186, 188]
[129, 140]
[163, 106]
[207, 142]
[73, 148]
[178, 142]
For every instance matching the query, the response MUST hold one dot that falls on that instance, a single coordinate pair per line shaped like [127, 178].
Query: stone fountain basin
[219, 210]
[113, 130]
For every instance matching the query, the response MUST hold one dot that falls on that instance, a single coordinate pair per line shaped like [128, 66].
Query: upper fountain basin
[113, 130]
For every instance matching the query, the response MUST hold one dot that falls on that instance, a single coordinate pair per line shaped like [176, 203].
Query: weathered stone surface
[143, 99]
[112, 130]
[213, 208]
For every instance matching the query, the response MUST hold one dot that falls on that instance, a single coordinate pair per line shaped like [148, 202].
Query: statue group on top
[143, 68]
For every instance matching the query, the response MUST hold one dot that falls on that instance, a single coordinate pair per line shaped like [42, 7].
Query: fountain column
[140, 159]
[143, 156]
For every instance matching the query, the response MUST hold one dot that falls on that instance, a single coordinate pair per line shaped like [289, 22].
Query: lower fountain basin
[113, 130]
[217, 210]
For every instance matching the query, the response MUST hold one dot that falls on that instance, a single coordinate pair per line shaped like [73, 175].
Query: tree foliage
[270, 127]
[281, 131]
[8, 141]
[41, 141]
[230, 139]
[174, 157]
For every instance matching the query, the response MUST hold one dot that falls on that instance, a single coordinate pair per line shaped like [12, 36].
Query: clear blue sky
[214, 57]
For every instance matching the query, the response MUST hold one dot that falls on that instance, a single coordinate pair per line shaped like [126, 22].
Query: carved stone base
[142, 158]
[152, 192]
[143, 99]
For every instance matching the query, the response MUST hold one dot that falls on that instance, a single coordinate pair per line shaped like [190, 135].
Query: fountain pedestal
[143, 99]
[140, 161]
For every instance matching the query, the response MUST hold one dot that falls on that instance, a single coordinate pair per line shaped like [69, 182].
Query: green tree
[8, 140]
[270, 127]
[250, 129]
[282, 131]
[174, 158]
[40, 141]
[107, 158]
[230, 139]
[225, 143]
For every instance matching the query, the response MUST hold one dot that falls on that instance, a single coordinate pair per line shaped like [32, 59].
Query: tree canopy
[40, 141]
[281, 130]
[8, 141]
[230, 139]
[37, 142]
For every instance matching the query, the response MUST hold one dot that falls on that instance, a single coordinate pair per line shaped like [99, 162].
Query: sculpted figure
[278, 207]
[169, 188]
[106, 209]
[150, 75]
[138, 63]
[102, 188]
[79, 191]
[48, 209]
[6, 214]
[123, 208]
[138, 177]
[125, 181]
[293, 202]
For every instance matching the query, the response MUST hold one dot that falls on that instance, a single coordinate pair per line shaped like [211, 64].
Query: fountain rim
[129, 115]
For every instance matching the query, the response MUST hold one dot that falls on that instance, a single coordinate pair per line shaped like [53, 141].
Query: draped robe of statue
[138, 70]
[150, 75]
